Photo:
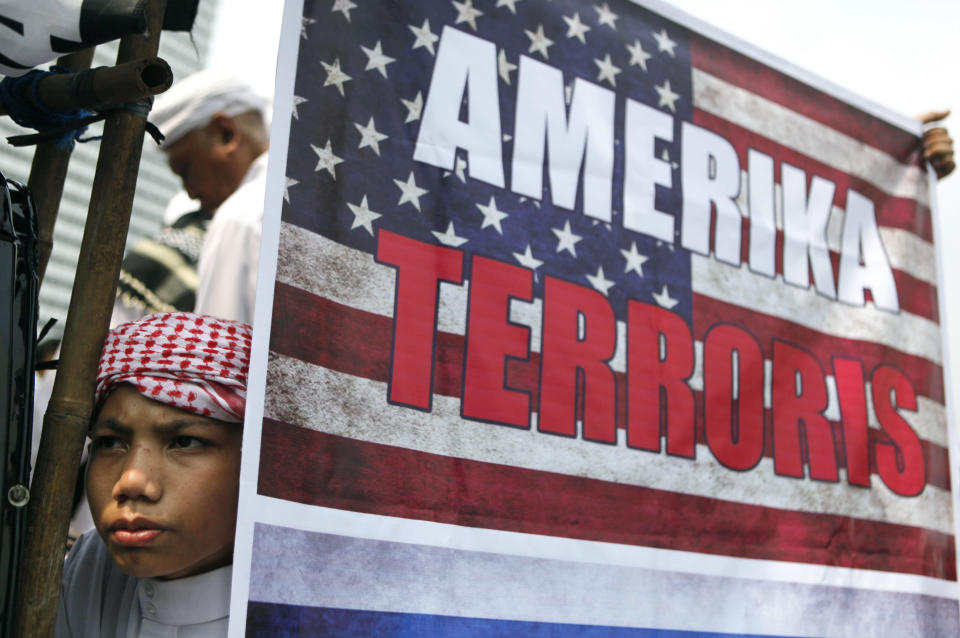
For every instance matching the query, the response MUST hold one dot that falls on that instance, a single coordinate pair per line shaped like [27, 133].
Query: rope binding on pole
[20, 97]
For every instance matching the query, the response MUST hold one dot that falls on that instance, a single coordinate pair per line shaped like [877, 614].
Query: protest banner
[587, 319]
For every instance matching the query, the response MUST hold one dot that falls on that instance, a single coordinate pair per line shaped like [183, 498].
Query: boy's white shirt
[193, 607]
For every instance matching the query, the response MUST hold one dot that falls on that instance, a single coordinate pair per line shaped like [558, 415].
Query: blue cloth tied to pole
[21, 99]
[19, 95]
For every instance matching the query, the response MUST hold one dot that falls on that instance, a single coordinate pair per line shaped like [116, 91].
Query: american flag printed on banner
[483, 340]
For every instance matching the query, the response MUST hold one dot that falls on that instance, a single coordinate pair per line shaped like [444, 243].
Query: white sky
[900, 54]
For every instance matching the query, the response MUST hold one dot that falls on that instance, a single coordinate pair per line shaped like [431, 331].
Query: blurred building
[186, 53]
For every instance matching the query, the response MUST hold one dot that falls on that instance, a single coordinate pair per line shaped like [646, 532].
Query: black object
[18, 329]
[105, 20]
[180, 15]
[100, 21]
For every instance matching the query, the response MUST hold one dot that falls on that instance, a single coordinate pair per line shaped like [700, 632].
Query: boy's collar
[186, 601]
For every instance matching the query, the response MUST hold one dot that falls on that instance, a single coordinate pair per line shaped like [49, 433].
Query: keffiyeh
[192, 362]
[160, 273]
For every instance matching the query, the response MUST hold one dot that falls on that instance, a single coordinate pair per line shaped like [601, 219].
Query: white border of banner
[254, 508]
[249, 508]
[953, 437]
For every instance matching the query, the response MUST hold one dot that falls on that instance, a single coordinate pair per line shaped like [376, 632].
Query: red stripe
[893, 212]
[917, 296]
[297, 464]
[758, 78]
[936, 458]
[358, 343]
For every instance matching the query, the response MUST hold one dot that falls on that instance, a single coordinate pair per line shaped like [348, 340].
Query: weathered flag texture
[761, 380]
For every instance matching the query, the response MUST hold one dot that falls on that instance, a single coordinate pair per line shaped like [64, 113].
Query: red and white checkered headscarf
[193, 362]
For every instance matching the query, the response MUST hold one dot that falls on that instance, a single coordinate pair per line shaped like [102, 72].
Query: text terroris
[653, 400]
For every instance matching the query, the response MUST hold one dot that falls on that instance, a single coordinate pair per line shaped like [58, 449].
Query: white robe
[231, 250]
[97, 600]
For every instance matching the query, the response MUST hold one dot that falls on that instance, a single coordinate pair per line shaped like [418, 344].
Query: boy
[162, 482]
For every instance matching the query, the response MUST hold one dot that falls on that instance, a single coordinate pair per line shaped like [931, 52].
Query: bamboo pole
[106, 85]
[48, 173]
[88, 318]
[109, 85]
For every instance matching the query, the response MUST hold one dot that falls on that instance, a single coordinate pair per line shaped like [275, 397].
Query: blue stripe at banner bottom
[270, 620]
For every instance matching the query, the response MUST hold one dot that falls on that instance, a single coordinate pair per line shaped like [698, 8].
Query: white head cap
[192, 102]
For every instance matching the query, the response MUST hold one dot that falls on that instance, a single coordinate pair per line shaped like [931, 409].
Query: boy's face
[162, 485]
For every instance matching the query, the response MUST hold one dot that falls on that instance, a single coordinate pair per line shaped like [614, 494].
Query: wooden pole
[114, 85]
[108, 85]
[48, 173]
[88, 318]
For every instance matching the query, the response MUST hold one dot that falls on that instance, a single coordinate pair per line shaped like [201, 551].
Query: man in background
[216, 142]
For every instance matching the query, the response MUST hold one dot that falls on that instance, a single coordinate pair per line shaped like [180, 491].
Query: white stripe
[904, 332]
[296, 567]
[910, 254]
[807, 136]
[340, 404]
